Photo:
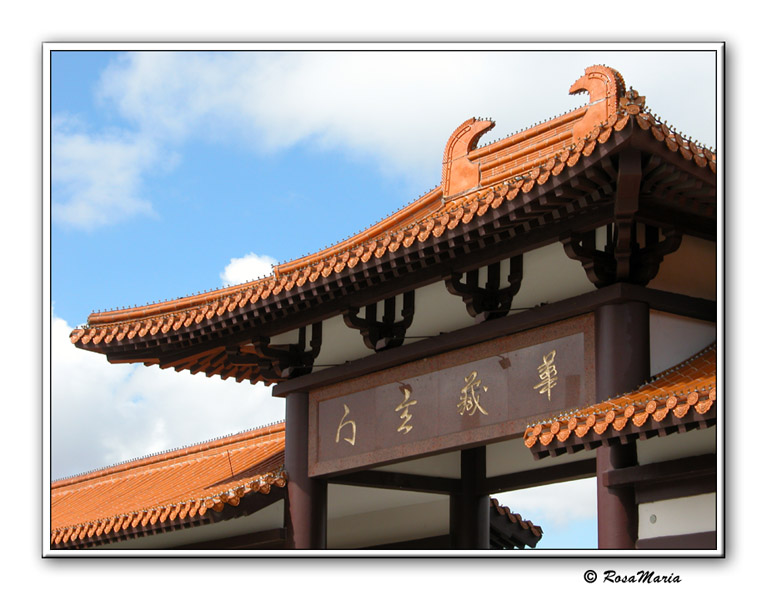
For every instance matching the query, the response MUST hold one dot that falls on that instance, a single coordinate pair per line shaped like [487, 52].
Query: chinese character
[343, 423]
[403, 406]
[547, 372]
[470, 395]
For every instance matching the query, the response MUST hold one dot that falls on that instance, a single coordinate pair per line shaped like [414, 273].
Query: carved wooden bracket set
[281, 361]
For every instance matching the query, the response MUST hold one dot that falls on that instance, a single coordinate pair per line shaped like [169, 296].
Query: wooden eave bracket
[491, 301]
[631, 432]
[282, 361]
[387, 332]
[623, 260]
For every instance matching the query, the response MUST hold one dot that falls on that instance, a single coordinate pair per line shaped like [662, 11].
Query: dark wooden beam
[647, 143]
[437, 542]
[705, 540]
[622, 363]
[678, 478]
[306, 506]
[680, 468]
[696, 308]
[470, 508]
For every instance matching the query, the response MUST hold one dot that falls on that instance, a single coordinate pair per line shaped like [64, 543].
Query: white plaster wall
[437, 311]
[674, 339]
[390, 525]
[678, 516]
[447, 464]
[677, 445]
[549, 276]
[339, 344]
[691, 270]
[512, 456]
[347, 500]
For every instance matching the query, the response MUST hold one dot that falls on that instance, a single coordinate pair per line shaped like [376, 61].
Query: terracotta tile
[167, 487]
[691, 384]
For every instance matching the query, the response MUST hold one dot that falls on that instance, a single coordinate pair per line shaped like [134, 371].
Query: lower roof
[166, 491]
[680, 398]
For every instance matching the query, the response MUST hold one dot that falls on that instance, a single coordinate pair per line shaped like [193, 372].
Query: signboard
[481, 393]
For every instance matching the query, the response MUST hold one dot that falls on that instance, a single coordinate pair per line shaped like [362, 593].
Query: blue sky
[174, 173]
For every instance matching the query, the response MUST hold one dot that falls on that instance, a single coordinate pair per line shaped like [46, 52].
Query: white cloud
[396, 109]
[555, 505]
[97, 178]
[103, 413]
[249, 267]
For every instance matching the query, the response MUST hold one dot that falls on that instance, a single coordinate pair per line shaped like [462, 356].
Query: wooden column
[306, 506]
[622, 364]
[470, 511]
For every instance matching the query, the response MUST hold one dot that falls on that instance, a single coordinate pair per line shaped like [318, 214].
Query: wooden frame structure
[606, 196]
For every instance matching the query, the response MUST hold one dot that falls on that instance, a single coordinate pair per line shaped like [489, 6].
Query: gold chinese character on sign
[343, 424]
[470, 395]
[547, 372]
[403, 406]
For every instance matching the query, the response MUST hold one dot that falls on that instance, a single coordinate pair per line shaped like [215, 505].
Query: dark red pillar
[622, 365]
[306, 507]
[469, 510]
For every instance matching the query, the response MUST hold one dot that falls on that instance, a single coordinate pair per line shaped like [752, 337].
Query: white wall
[677, 445]
[678, 516]
[674, 339]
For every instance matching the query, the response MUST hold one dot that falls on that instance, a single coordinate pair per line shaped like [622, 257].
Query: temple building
[547, 313]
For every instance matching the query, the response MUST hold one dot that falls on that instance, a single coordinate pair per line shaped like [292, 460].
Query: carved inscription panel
[489, 391]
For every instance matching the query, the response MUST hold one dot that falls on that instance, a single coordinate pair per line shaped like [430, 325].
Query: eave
[680, 399]
[529, 204]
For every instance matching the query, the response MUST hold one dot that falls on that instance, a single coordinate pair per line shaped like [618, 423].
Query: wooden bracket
[280, 361]
[491, 301]
[622, 260]
[386, 333]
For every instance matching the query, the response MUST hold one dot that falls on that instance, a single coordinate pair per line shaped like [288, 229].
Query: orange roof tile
[684, 391]
[174, 488]
[475, 180]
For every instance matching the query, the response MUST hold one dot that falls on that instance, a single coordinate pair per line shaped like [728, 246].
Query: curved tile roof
[173, 489]
[688, 388]
[475, 181]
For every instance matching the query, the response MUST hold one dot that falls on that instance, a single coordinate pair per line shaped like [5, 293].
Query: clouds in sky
[102, 413]
[395, 109]
[98, 175]
[247, 268]
[558, 504]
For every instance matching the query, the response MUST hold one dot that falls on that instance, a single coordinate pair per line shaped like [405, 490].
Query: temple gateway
[547, 313]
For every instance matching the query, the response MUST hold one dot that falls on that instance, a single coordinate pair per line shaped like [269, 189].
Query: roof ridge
[162, 465]
[197, 505]
[164, 455]
[520, 167]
